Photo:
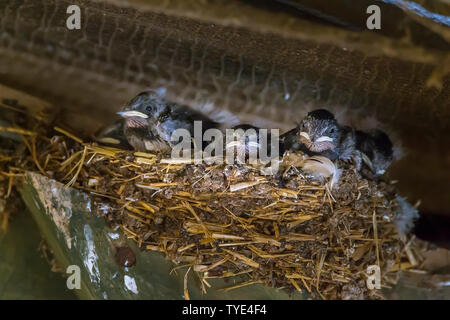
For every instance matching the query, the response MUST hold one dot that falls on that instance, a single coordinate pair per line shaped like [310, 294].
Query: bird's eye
[148, 109]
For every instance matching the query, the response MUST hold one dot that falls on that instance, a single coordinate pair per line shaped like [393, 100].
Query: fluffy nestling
[376, 149]
[150, 121]
[319, 133]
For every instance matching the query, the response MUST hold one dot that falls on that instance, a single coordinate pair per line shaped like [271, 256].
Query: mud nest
[286, 230]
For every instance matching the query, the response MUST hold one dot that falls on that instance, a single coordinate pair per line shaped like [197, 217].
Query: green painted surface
[24, 272]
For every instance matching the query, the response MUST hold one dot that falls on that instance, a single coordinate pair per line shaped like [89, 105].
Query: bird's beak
[319, 145]
[324, 139]
[132, 113]
[305, 135]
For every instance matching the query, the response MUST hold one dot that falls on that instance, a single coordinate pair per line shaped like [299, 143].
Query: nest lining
[287, 230]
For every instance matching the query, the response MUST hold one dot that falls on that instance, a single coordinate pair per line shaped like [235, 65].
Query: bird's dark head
[382, 152]
[146, 106]
[319, 131]
[382, 143]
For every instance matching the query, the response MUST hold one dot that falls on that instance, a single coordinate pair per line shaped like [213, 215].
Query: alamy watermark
[254, 146]
[74, 280]
[374, 20]
[73, 22]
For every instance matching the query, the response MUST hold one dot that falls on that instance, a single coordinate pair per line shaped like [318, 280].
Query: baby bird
[319, 133]
[376, 150]
[254, 141]
[150, 121]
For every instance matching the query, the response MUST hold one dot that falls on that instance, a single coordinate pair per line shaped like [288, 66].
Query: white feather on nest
[321, 168]
[405, 217]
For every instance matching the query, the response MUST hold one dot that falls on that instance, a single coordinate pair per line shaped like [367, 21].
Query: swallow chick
[245, 144]
[376, 149]
[150, 121]
[320, 134]
[252, 140]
